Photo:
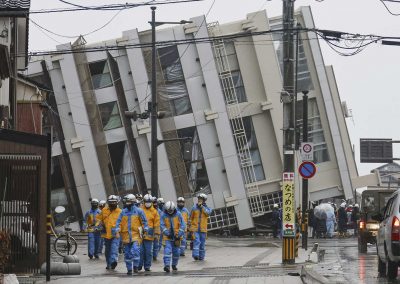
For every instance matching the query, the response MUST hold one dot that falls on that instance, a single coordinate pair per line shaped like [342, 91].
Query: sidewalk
[231, 260]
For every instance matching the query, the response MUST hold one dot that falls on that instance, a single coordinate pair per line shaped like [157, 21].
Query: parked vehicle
[373, 203]
[65, 244]
[388, 239]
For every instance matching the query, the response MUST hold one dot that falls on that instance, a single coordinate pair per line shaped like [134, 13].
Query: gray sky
[369, 82]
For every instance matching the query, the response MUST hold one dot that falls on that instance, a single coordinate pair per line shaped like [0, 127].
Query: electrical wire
[387, 8]
[75, 36]
[112, 7]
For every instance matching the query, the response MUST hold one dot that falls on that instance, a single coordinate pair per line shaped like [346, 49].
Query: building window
[174, 97]
[194, 161]
[231, 85]
[252, 145]
[315, 130]
[100, 72]
[304, 81]
[110, 117]
[121, 169]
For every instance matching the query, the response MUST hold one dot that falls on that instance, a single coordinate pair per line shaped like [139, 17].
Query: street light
[153, 106]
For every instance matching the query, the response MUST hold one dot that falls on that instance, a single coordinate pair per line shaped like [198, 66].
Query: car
[388, 238]
[372, 205]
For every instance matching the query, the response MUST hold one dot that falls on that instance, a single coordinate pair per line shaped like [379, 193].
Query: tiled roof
[15, 5]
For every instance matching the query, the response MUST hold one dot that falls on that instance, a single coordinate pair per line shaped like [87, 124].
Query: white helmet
[94, 201]
[170, 207]
[276, 206]
[343, 205]
[112, 199]
[130, 199]
[148, 200]
[102, 203]
[356, 205]
[160, 200]
[181, 199]
[202, 196]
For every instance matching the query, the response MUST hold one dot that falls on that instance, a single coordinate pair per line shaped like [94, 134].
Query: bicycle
[65, 244]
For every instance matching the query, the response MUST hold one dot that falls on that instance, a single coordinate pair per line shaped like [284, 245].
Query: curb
[309, 276]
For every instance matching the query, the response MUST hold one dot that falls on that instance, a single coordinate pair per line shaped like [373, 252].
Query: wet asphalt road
[344, 264]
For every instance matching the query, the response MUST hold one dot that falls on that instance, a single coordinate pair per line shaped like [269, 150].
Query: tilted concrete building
[222, 93]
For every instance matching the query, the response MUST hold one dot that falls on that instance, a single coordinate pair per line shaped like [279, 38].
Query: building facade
[224, 94]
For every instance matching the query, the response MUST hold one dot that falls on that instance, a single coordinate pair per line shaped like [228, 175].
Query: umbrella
[322, 210]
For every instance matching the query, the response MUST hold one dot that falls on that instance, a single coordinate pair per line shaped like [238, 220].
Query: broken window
[232, 86]
[194, 161]
[110, 117]
[174, 93]
[304, 81]
[121, 168]
[100, 72]
[254, 151]
[315, 130]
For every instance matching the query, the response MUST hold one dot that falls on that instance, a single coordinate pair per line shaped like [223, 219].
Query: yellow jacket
[185, 216]
[153, 220]
[108, 219]
[199, 218]
[90, 220]
[130, 225]
[172, 226]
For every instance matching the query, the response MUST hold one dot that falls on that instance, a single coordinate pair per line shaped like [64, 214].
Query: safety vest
[108, 219]
[153, 220]
[90, 219]
[174, 224]
[131, 223]
[199, 218]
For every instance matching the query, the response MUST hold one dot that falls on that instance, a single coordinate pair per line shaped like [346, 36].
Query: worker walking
[185, 215]
[102, 204]
[153, 220]
[107, 220]
[130, 226]
[198, 226]
[156, 241]
[160, 209]
[173, 228]
[89, 225]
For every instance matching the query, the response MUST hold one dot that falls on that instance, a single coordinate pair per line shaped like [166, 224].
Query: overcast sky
[369, 82]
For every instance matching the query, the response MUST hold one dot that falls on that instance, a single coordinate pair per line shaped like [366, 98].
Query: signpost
[288, 207]
[307, 151]
[307, 170]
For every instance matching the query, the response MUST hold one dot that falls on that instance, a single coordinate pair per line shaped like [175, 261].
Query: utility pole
[153, 109]
[304, 205]
[287, 98]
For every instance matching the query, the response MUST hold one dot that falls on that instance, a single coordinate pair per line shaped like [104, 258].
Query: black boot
[135, 269]
[174, 268]
[129, 272]
[114, 264]
[166, 269]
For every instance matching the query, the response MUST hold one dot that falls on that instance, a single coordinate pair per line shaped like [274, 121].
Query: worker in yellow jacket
[106, 220]
[153, 221]
[130, 226]
[185, 215]
[198, 226]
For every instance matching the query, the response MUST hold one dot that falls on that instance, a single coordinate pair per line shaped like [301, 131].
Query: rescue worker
[153, 220]
[173, 228]
[185, 215]
[130, 226]
[342, 220]
[139, 200]
[330, 223]
[276, 221]
[107, 219]
[160, 209]
[156, 242]
[89, 225]
[102, 204]
[355, 217]
[198, 226]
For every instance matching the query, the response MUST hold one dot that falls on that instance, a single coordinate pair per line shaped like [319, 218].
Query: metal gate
[19, 209]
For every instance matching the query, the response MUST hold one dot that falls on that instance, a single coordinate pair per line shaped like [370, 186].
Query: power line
[112, 7]
[387, 8]
[75, 36]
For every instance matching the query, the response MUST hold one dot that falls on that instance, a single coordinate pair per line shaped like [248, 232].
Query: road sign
[376, 150]
[288, 207]
[307, 169]
[307, 151]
